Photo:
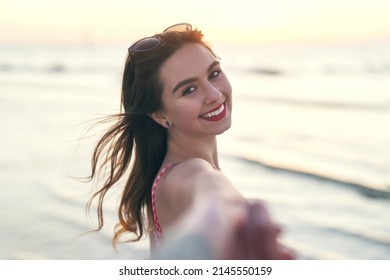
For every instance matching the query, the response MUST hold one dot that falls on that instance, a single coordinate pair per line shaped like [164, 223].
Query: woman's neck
[182, 149]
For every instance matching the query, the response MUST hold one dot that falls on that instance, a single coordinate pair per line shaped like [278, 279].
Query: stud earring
[167, 123]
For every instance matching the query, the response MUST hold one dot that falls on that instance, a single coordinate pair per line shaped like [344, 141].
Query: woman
[175, 100]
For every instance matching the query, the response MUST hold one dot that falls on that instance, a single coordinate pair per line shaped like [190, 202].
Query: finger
[261, 233]
[278, 229]
[286, 253]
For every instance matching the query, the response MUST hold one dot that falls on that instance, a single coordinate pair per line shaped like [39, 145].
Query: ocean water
[310, 136]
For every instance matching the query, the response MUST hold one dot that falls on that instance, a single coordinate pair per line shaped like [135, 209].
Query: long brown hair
[135, 142]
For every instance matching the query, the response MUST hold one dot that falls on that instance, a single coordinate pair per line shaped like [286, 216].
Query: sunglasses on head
[150, 43]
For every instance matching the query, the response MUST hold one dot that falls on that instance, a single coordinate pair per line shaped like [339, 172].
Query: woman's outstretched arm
[214, 221]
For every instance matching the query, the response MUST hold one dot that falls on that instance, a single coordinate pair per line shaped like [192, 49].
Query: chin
[224, 128]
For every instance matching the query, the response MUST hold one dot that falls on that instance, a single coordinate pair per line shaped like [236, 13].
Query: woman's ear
[159, 117]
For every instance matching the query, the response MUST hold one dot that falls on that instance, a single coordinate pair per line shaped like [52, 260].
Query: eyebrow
[191, 80]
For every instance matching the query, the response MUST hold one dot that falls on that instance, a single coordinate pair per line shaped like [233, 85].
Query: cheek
[229, 89]
[183, 110]
[226, 87]
[188, 107]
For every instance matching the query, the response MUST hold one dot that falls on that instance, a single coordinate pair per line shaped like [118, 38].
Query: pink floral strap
[158, 231]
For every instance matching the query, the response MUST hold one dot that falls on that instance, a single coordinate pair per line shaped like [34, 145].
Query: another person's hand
[226, 230]
[256, 237]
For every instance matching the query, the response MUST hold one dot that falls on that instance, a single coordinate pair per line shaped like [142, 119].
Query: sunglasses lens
[151, 43]
[179, 27]
[145, 44]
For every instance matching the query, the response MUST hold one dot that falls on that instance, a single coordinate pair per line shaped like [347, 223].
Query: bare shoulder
[177, 188]
[191, 167]
[184, 174]
[195, 178]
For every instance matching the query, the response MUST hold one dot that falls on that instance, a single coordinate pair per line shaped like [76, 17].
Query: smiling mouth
[215, 114]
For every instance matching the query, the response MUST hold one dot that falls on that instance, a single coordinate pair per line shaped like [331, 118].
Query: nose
[213, 94]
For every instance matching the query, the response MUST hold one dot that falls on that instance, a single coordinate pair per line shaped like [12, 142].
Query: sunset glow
[226, 21]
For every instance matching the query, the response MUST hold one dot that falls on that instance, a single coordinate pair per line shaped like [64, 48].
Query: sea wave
[333, 104]
[324, 69]
[365, 236]
[373, 191]
[267, 71]
[55, 68]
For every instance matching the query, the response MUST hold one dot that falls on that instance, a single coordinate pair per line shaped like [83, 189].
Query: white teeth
[214, 113]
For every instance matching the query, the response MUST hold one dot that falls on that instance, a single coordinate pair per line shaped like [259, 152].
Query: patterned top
[157, 235]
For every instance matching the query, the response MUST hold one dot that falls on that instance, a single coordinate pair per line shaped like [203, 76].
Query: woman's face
[197, 96]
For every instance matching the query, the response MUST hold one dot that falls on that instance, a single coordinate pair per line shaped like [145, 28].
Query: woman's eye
[215, 74]
[189, 90]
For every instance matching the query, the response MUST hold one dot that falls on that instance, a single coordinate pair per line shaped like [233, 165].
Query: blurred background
[310, 134]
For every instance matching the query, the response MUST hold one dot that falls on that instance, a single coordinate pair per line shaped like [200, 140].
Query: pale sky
[239, 21]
